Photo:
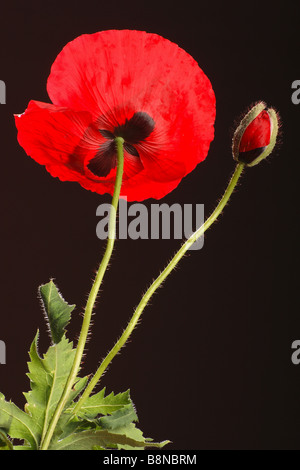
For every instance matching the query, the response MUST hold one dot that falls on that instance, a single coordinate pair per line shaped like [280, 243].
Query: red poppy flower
[256, 135]
[121, 83]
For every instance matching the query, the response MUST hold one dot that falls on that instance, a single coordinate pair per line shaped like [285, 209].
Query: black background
[209, 366]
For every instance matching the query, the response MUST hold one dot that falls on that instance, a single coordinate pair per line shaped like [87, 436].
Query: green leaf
[98, 404]
[104, 422]
[57, 311]
[18, 424]
[119, 419]
[48, 376]
[95, 405]
[136, 435]
[91, 439]
[5, 443]
[114, 430]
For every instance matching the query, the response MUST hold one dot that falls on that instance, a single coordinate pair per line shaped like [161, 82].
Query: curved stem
[158, 281]
[92, 297]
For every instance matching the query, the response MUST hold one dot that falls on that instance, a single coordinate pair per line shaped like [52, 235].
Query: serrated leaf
[99, 404]
[96, 405]
[115, 431]
[48, 376]
[119, 418]
[18, 424]
[57, 310]
[91, 439]
[136, 435]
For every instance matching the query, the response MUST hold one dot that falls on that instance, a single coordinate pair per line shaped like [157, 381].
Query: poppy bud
[255, 137]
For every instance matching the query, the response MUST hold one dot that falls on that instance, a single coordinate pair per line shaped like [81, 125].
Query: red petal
[257, 134]
[100, 80]
[51, 134]
[137, 188]
[113, 74]
[64, 141]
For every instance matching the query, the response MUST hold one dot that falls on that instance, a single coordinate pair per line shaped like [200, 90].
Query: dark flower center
[134, 131]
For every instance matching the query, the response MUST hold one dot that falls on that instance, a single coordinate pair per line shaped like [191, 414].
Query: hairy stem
[155, 285]
[91, 299]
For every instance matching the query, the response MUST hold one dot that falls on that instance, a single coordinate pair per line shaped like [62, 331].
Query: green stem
[91, 299]
[158, 281]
